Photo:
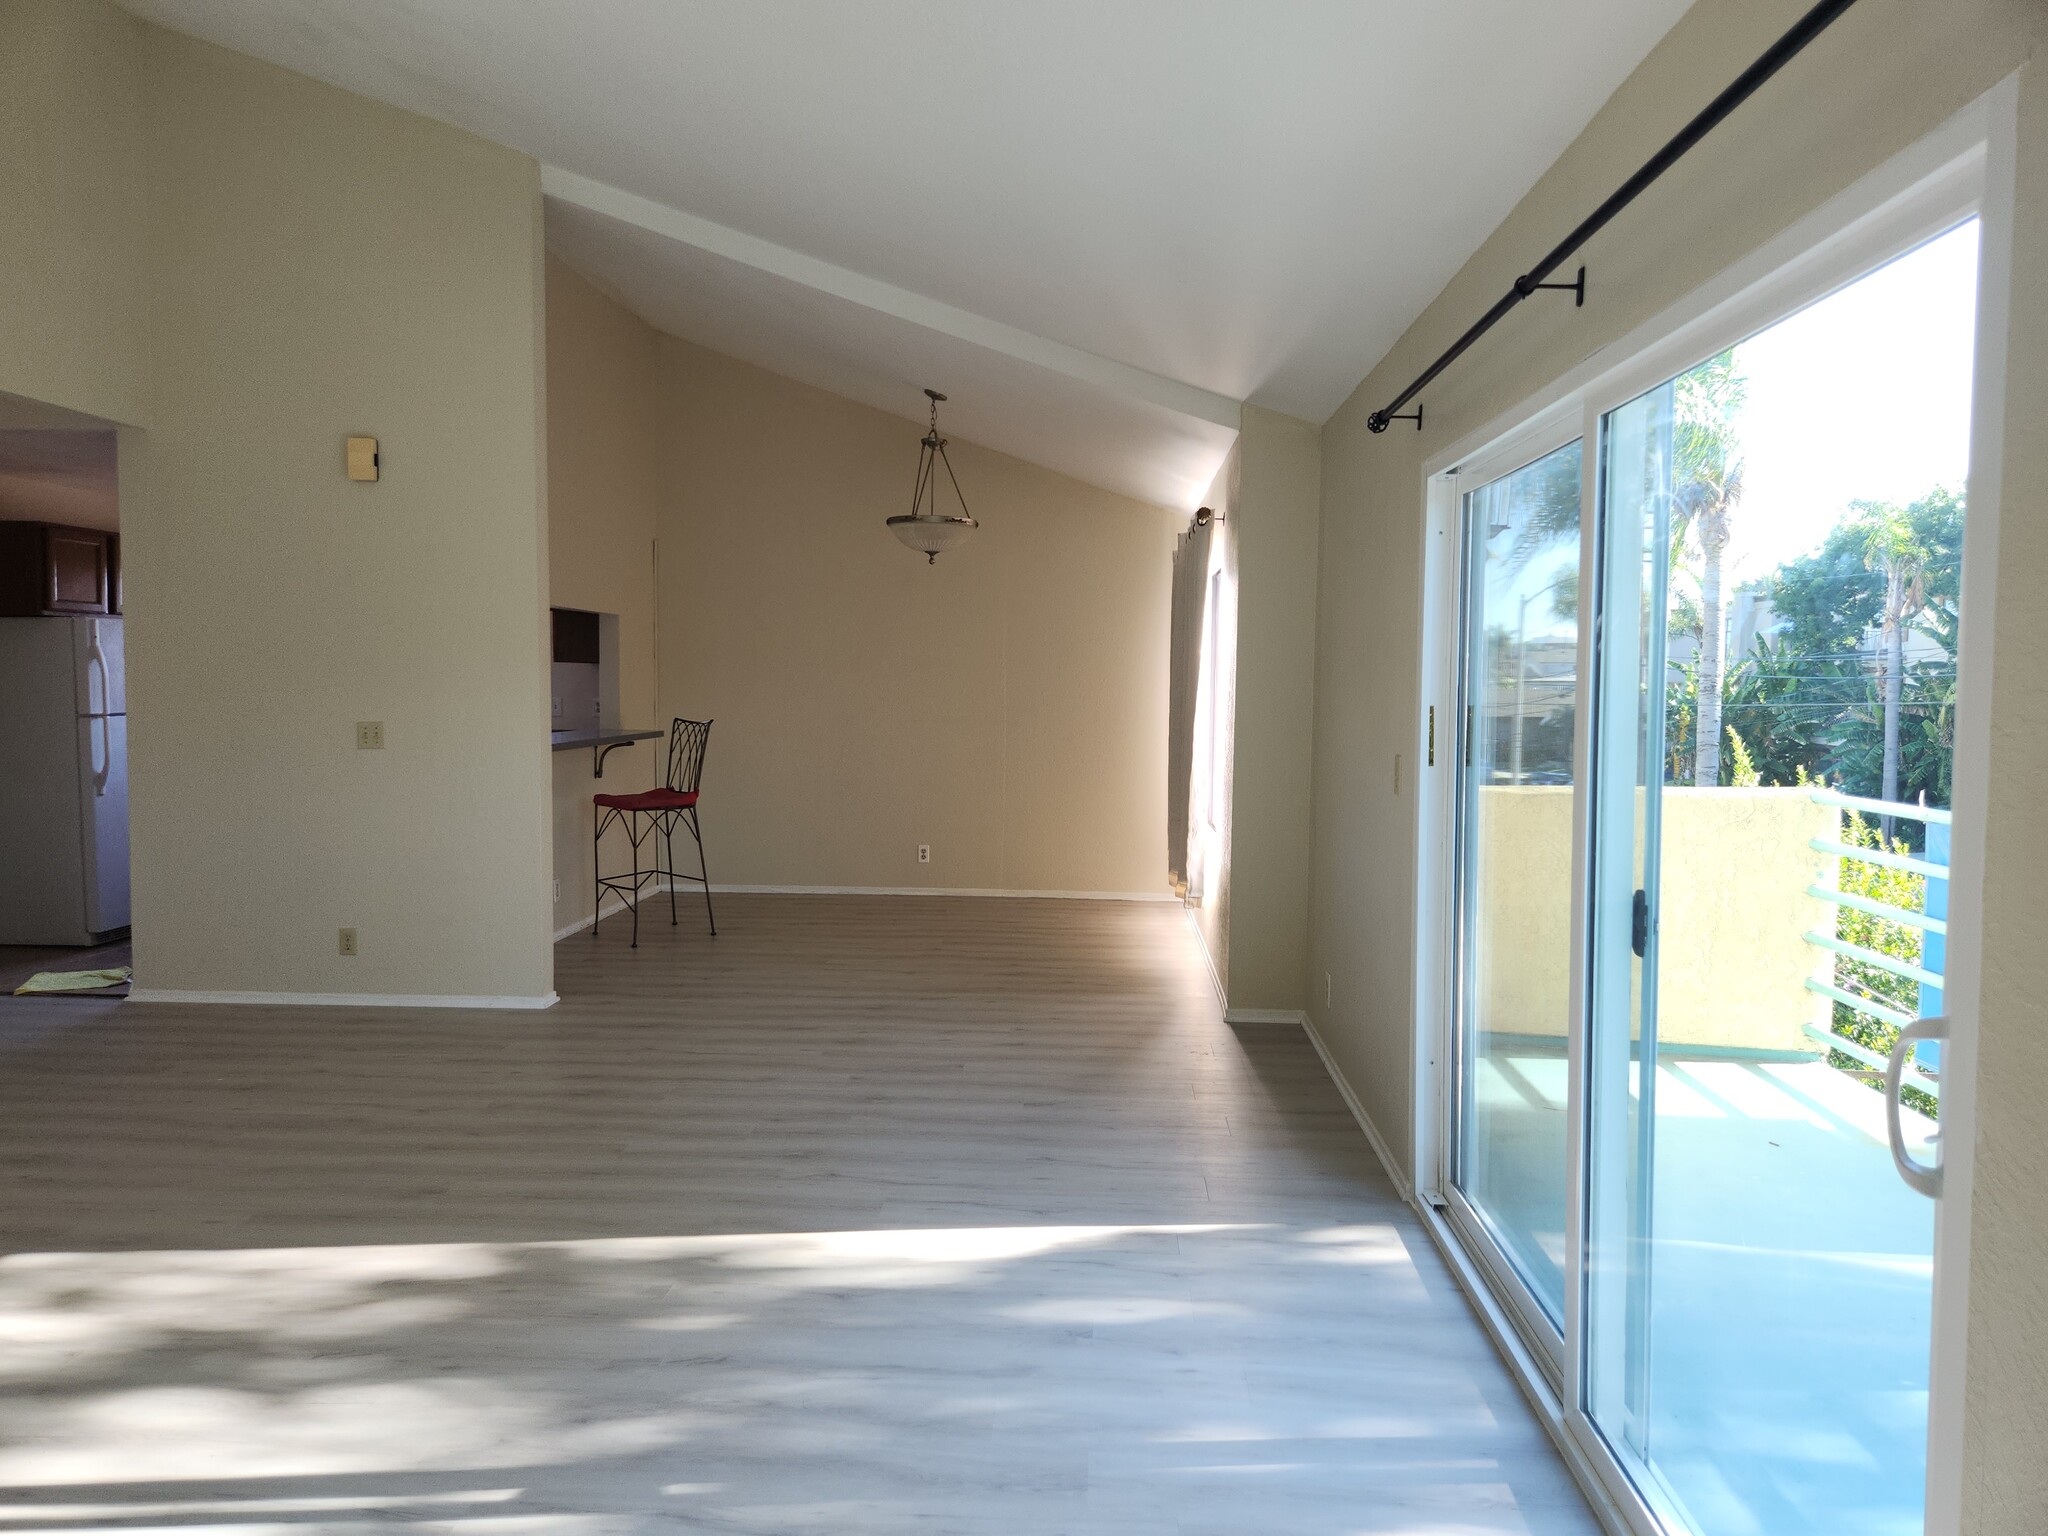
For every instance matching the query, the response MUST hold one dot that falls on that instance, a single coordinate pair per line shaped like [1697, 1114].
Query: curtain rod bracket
[1524, 287]
[1379, 421]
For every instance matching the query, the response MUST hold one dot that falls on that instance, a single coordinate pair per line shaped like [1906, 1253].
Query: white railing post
[1931, 920]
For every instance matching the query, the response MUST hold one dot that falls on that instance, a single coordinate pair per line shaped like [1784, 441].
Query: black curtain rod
[1746, 84]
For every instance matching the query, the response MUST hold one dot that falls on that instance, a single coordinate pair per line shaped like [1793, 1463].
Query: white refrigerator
[63, 781]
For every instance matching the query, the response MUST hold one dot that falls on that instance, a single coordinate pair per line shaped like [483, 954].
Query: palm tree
[1706, 489]
[1893, 549]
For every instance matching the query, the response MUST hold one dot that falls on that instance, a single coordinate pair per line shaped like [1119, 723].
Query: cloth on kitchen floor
[75, 981]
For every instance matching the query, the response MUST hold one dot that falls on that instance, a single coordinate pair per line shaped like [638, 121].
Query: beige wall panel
[72, 228]
[2006, 1449]
[1275, 541]
[322, 265]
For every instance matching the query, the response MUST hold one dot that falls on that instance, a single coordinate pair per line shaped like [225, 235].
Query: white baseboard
[931, 890]
[1372, 1132]
[1264, 1016]
[691, 888]
[338, 999]
[618, 908]
[1209, 960]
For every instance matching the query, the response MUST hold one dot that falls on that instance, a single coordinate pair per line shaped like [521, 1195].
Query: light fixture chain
[958, 494]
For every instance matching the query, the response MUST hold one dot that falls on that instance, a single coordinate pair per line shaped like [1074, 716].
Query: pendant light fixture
[926, 530]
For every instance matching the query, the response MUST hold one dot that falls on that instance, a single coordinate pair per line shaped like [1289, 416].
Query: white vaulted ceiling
[1097, 224]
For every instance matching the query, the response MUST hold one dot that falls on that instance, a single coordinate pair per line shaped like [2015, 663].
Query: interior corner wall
[1882, 77]
[1006, 706]
[243, 266]
[1275, 517]
[603, 498]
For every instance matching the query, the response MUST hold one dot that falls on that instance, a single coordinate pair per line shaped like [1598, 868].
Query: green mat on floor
[74, 981]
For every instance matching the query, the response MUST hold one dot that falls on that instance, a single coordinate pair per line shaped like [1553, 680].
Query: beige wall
[1006, 706]
[603, 497]
[1250, 868]
[71, 188]
[1883, 76]
[325, 265]
[1274, 535]
[248, 266]
[2006, 1449]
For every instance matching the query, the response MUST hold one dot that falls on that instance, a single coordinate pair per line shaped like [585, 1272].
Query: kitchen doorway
[64, 861]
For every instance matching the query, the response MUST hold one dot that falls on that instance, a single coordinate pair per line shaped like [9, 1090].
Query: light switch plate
[363, 462]
[369, 735]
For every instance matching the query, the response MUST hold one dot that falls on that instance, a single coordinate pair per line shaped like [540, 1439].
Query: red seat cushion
[649, 800]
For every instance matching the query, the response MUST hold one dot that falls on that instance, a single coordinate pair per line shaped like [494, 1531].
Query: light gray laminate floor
[870, 1215]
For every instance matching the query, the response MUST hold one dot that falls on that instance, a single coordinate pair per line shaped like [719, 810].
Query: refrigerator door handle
[99, 706]
[95, 656]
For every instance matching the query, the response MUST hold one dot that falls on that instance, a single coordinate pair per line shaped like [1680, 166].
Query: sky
[1863, 395]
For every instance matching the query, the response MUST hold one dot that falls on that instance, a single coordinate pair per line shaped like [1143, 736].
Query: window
[1212, 656]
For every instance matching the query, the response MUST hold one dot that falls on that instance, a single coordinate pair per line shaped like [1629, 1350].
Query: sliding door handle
[1639, 924]
[1924, 1177]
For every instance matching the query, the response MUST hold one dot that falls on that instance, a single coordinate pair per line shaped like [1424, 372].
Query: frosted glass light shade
[932, 536]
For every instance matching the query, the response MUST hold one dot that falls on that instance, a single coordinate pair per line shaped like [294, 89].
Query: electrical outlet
[924, 853]
[1326, 989]
[348, 941]
[558, 890]
[369, 735]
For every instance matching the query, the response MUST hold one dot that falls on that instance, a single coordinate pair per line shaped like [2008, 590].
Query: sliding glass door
[1699, 860]
[1776, 752]
[1516, 733]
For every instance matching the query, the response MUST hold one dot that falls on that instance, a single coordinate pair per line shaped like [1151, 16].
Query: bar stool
[654, 813]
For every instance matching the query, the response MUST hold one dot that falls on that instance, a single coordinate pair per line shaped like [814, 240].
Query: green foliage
[1787, 709]
[1681, 720]
[1704, 404]
[1855, 754]
[1741, 771]
[1829, 598]
[1805, 701]
[1895, 888]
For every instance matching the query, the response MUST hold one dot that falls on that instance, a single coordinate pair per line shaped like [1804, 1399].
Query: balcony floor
[1790, 1280]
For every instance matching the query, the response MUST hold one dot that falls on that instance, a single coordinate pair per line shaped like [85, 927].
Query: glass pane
[1514, 836]
[1770, 844]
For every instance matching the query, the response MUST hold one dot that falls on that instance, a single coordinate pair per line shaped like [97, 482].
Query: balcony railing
[1932, 867]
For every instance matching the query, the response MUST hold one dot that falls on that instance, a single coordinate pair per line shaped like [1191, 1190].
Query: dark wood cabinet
[50, 569]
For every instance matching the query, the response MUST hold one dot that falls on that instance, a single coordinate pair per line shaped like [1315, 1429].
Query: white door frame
[1543, 435]
[1965, 166]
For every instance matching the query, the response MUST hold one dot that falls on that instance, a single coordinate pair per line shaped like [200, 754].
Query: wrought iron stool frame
[674, 803]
